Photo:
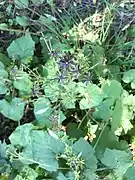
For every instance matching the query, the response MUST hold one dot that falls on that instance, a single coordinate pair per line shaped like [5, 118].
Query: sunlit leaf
[23, 83]
[43, 111]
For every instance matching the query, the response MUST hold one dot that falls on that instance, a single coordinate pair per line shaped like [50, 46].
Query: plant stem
[100, 135]
[83, 118]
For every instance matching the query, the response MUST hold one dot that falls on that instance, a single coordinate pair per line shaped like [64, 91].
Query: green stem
[83, 118]
[99, 137]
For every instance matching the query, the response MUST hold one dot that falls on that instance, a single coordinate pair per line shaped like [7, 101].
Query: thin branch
[19, 31]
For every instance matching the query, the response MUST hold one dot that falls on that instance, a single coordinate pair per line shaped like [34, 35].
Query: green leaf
[13, 110]
[89, 175]
[56, 44]
[68, 95]
[91, 36]
[117, 115]
[22, 49]
[19, 177]
[104, 110]
[93, 95]
[26, 173]
[3, 25]
[37, 1]
[4, 177]
[5, 60]
[86, 151]
[3, 147]
[62, 117]
[21, 4]
[22, 20]
[52, 68]
[43, 111]
[118, 161]
[3, 87]
[21, 135]
[113, 89]
[73, 131]
[129, 77]
[104, 142]
[61, 177]
[46, 19]
[114, 72]
[130, 173]
[111, 142]
[131, 31]
[23, 83]
[3, 72]
[68, 176]
[52, 90]
[4, 167]
[40, 148]
[128, 104]
[68, 103]
[2, 65]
